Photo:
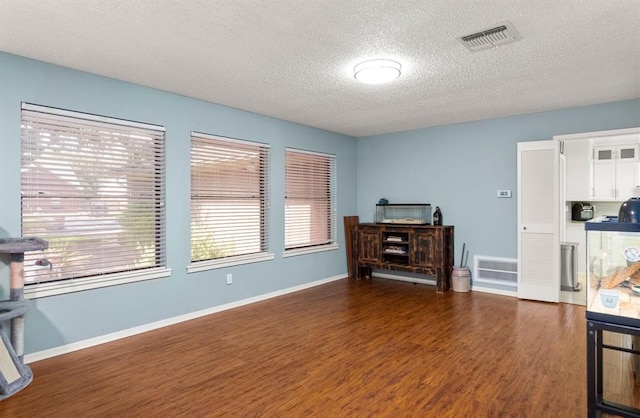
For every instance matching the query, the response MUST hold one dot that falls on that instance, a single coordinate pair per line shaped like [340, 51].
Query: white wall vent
[495, 270]
[502, 34]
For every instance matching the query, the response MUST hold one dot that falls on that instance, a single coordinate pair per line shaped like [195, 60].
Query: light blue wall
[461, 167]
[60, 320]
[458, 167]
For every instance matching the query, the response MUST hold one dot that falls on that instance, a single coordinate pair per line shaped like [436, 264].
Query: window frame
[332, 242]
[158, 268]
[233, 260]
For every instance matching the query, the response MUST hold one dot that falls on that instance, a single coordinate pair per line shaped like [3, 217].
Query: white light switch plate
[504, 193]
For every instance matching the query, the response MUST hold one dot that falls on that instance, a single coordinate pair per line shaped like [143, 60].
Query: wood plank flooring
[371, 348]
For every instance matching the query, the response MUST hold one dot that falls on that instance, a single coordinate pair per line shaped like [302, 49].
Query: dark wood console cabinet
[423, 249]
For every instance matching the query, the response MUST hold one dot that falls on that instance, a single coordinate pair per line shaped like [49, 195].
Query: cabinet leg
[363, 273]
[440, 285]
[591, 371]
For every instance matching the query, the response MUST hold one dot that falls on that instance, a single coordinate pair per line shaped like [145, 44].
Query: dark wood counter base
[421, 249]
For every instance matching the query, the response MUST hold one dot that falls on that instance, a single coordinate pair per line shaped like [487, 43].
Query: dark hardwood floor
[371, 348]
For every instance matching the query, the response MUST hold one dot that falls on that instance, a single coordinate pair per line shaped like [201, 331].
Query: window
[93, 187]
[310, 215]
[229, 202]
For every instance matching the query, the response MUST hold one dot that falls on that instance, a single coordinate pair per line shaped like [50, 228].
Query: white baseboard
[483, 289]
[79, 345]
[404, 278]
[474, 288]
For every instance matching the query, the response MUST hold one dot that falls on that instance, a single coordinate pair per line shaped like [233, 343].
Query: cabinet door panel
[578, 170]
[423, 249]
[615, 171]
[604, 154]
[369, 246]
[628, 153]
[604, 180]
[626, 179]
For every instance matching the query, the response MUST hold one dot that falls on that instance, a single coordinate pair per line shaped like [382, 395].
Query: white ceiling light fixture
[377, 71]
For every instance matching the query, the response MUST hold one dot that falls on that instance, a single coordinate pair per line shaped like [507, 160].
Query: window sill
[228, 262]
[309, 250]
[40, 290]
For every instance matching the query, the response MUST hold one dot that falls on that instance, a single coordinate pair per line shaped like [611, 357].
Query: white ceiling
[293, 59]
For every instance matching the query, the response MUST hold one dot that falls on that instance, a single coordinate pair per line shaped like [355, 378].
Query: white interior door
[539, 221]
[563, 197]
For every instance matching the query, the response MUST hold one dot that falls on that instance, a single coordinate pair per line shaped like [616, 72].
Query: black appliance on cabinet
[581, 211]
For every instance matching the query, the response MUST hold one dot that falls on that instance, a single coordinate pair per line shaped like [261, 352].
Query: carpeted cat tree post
[14, 374]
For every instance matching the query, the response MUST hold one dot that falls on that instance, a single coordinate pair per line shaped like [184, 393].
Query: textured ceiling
[293, 59]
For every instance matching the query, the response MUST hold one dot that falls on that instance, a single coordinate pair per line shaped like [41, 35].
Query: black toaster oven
[581, 211]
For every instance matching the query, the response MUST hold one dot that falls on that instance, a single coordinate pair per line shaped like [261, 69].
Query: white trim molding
[309, 250]
[40, 290]
[228, 262]
[91, 342]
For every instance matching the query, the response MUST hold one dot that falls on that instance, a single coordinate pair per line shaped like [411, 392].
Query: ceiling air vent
[504, 33]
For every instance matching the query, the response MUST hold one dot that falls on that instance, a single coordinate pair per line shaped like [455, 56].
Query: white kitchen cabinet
[627, 179]
[615, 171]
[577, 155]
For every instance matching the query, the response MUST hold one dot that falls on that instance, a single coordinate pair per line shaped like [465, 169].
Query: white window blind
[309, 199]
[93, 187]
[229, 198]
